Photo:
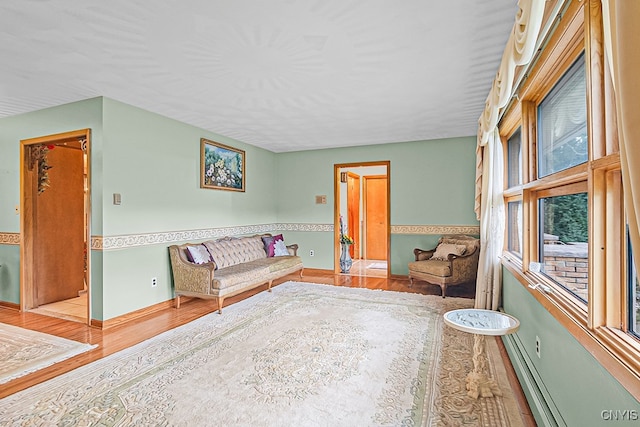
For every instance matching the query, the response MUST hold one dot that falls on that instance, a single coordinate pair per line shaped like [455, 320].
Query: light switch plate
[117, 199]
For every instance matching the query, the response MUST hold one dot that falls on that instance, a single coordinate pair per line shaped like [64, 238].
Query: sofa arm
[189, 277]
[422, 254]
[293, 249]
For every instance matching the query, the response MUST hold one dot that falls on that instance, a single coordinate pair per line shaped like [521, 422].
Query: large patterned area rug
[23, 351]
[303, 355]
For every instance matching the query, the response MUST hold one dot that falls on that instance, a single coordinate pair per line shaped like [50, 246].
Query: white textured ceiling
[285, 75]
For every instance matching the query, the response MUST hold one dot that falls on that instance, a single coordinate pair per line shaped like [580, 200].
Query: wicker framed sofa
[218, 269]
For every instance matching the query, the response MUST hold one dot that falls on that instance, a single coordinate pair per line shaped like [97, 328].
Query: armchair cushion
[454, 261]
[435, 267]
[443, 250]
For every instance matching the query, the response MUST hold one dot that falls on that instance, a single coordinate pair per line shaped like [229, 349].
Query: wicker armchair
[452, 262]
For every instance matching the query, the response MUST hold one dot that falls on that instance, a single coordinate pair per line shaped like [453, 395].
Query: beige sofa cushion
[233, 251]
[247, 272]
[431, 266]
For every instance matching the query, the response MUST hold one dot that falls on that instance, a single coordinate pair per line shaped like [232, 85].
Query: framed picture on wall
[221, 166]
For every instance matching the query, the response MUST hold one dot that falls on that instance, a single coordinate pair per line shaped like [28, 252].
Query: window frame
[601, 324]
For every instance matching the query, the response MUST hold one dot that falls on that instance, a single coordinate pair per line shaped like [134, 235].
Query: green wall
[64, 118]
[154, 161]
[574, 384]
[10, 273]
[432, 183]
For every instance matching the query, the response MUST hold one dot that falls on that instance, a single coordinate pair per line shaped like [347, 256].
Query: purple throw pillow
[271, 247]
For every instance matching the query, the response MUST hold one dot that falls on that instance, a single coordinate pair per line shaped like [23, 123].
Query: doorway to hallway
[362, 206]
[54, 225]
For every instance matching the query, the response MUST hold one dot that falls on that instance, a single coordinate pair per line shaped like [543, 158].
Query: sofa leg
[269, 287]
[444, 290]
[301, 271]
[410, 281]
[177, 299]
[220, 301]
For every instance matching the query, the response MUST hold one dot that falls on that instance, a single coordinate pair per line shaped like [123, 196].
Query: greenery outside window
[564, 249]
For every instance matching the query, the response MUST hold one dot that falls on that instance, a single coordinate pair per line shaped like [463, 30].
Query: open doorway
[54, 225]
[362, 211]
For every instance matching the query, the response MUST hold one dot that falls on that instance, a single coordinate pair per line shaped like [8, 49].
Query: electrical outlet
[154, 282]
[312, 252]
[538, 346]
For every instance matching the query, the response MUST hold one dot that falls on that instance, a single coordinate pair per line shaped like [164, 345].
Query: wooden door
[59, 229]
[376, 217]
[353, 212]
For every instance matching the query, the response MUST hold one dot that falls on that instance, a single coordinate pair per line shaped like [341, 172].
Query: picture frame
[221, 167]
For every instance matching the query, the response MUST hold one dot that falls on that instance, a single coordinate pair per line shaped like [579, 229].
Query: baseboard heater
[540, 402]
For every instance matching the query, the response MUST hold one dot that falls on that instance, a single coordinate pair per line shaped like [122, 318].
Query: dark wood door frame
[28, 206]
[337, 168]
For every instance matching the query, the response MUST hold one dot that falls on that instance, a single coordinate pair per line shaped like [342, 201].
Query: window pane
[514, 231]
[562, 123]
[563, 245]
[515, 159]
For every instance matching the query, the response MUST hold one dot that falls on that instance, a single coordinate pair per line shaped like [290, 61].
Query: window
[514, 153]
[564, 249]
[562, 125]
[514, 228]
[513, 147]
[561, 185]
[565, 230]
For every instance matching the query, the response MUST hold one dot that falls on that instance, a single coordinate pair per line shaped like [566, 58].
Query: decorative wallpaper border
[9, 238]
[136, 240]
[473, 230]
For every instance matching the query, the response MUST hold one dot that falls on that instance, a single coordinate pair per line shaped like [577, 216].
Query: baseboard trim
[10, 305]
[540, 403]
[134, 315]
[316, 270]
[96, 323]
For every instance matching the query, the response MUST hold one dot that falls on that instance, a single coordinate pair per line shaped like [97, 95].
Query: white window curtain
[489, 203]
[622, 41]
[492, 214]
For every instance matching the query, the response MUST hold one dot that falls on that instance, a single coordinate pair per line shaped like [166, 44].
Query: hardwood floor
[117, 338]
